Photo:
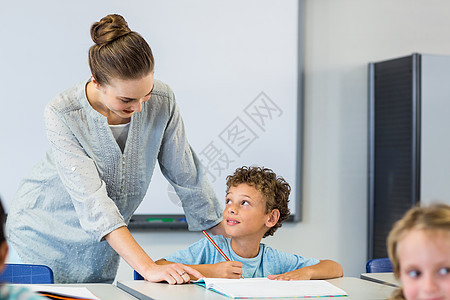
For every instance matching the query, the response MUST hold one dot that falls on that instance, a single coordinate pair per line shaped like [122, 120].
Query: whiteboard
[233, 65]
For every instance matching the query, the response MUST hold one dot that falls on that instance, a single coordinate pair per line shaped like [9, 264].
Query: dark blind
[395, 145]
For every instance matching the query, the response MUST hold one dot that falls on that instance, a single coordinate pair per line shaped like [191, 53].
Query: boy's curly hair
[275, 190]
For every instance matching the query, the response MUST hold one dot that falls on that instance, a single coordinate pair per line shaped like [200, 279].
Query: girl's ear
[272, 218]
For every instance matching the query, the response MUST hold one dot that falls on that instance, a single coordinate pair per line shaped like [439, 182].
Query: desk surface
[102, 290]
[383, 278]
[357, 289]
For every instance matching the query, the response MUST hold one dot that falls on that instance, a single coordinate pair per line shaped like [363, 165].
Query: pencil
[60, 297]
[217, 247]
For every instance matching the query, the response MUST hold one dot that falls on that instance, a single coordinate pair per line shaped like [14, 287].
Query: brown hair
[275, 190]
[118, 52]
[2, 223]
[433, 217]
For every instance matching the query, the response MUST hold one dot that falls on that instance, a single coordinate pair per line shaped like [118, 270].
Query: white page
[71, 291]
[266, 288]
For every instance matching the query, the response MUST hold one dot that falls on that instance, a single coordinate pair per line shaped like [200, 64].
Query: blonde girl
[419, 249]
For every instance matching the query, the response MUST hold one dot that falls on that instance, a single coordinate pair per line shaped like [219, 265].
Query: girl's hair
[275, 190]
[118, 52]
[433, 217]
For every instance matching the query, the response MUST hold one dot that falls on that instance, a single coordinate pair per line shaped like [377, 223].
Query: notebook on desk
[63, 292]
[266, 288]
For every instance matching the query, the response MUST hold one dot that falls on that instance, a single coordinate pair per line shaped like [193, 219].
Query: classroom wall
[341, 38]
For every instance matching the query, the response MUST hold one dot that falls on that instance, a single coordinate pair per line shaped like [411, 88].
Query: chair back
[138, 276]
[379, 265]
[27, 273]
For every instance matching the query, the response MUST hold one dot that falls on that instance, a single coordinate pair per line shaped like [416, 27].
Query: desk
[357, 289]
[383, 278]
[104, 291]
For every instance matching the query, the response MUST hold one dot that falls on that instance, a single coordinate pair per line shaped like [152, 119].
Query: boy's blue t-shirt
[268, 262]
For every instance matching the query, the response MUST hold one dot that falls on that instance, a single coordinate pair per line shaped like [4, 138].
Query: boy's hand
[300, 274]
[227, 269]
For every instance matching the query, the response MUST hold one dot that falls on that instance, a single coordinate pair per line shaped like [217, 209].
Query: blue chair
[27, 273]
[379, 265]
[138, 276]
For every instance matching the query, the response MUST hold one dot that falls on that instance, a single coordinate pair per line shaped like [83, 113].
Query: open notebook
[266, 288]
[63, 292]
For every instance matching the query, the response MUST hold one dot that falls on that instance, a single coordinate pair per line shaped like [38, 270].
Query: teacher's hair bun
[108, 29]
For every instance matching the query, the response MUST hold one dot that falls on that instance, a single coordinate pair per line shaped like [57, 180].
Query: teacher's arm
[126, 246]
[183, 169]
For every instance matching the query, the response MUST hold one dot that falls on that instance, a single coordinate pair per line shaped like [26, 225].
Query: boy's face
[245, 212]
[424, 258]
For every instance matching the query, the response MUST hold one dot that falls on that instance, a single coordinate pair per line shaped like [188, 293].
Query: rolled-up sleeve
[96, 211]
[182, 168]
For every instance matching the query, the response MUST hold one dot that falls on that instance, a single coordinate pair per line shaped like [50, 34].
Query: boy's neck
[246, 247]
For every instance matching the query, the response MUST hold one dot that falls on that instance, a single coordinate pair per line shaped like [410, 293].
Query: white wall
[434, 128]
[342, 37]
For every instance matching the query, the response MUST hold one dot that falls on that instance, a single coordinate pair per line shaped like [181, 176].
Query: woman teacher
[106, 135]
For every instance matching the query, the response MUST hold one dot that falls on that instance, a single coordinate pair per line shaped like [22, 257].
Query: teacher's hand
[172, 273]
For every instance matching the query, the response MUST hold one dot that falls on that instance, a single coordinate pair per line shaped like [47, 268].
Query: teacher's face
[125, 97]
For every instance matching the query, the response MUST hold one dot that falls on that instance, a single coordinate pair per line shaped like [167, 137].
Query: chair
[27, 273]
[379, 265]
[138, 276]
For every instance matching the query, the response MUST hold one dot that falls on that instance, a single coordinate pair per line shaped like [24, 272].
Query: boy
[256, 205]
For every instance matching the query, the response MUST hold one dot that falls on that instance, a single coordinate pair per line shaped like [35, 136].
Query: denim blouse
[86, 187]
